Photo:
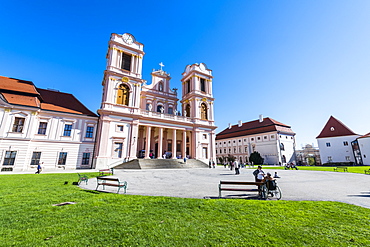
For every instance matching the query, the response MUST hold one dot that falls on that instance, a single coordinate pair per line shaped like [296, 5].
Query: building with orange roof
[40, 126]
[335, 143]
[274, 141]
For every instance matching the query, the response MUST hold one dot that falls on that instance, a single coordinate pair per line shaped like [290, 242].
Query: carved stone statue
[162, 109]
[150, 107]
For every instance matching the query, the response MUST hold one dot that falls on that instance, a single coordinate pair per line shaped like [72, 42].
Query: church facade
[140, 120]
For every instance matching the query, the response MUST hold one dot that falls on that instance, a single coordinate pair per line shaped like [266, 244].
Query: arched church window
[203, 111]
[160, 86]
[160, 108]
[187, 110]
[282, 148]
[202, 85]
[123, 95]
[170, 110]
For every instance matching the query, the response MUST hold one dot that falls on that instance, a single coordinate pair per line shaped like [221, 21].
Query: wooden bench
[82, 178]
[367, 171]
[236, 186]
[109, 181]
[337, 169]
[106, 172]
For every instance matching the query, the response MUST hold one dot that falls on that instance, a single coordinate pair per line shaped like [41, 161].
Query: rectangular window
[85, 158]
[42, 128]
[169, 147]
[205, 153]
[9, 158]
[62, 158]
[126, 62]
[35, 158]
[89, 132]
[67, 130]
[328, 144]
[246, 149]
[117, 150]
[202, 85]
[18, 124]
[188, 86]
[170, 110]
[345, 143]
[348, 158]
[119, 128]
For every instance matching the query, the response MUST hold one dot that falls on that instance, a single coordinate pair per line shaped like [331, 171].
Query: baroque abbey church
[137, 120]
[140, 120]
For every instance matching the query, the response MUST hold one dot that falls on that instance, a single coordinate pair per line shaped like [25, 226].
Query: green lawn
[353, 169]
[104, 219]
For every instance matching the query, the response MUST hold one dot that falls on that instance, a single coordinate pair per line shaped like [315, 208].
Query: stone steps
[161, 164]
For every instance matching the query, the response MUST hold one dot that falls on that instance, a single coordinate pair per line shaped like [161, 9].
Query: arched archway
[123, 95]
[203, 111]
[187, 110]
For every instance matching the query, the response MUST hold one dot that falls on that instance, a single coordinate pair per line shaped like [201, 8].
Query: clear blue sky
[295, 61]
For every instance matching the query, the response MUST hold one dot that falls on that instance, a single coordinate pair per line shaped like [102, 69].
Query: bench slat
[241, 183]
[106, 178]
[236, 189]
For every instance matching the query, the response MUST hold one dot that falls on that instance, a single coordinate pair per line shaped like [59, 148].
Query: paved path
[203, 183]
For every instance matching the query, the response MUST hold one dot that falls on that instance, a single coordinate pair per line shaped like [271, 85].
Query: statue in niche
[150, 107]
[175, 112]
[162, 109]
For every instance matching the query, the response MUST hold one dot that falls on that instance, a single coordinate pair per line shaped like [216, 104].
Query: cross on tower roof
[161, 64]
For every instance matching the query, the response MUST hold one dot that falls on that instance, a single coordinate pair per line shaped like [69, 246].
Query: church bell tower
[122, 77]
[197, 98]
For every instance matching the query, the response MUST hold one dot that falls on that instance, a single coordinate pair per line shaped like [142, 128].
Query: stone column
[184, 143]
[174, 143]
[147, 144]
[160, 143]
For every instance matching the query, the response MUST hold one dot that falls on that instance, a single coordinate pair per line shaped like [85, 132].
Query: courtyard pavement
[295, 185]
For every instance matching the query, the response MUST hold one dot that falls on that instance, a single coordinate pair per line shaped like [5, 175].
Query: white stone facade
[336, 149]
[142, 121]
[275, 146]
[30, 135]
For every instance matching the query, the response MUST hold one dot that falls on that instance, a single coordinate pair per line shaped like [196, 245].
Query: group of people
[260, 176]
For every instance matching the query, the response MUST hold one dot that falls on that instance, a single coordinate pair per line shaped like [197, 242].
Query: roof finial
[162, 65]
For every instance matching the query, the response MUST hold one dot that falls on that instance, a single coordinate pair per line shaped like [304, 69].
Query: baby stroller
[270, 188]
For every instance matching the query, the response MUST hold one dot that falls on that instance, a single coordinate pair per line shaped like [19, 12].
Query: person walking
[236, 165]
[39, 168]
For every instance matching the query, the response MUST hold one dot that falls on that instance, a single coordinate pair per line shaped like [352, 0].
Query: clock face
[128, 38]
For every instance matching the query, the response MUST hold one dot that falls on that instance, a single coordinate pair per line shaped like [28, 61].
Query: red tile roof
[63, 102]
[364, 136]
[334, 128]
[254, 127]
[19, 92]
[16, 85]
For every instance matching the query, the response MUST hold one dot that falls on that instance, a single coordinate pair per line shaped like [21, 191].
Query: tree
[256, 158]
[221, 159]
[230, 158]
